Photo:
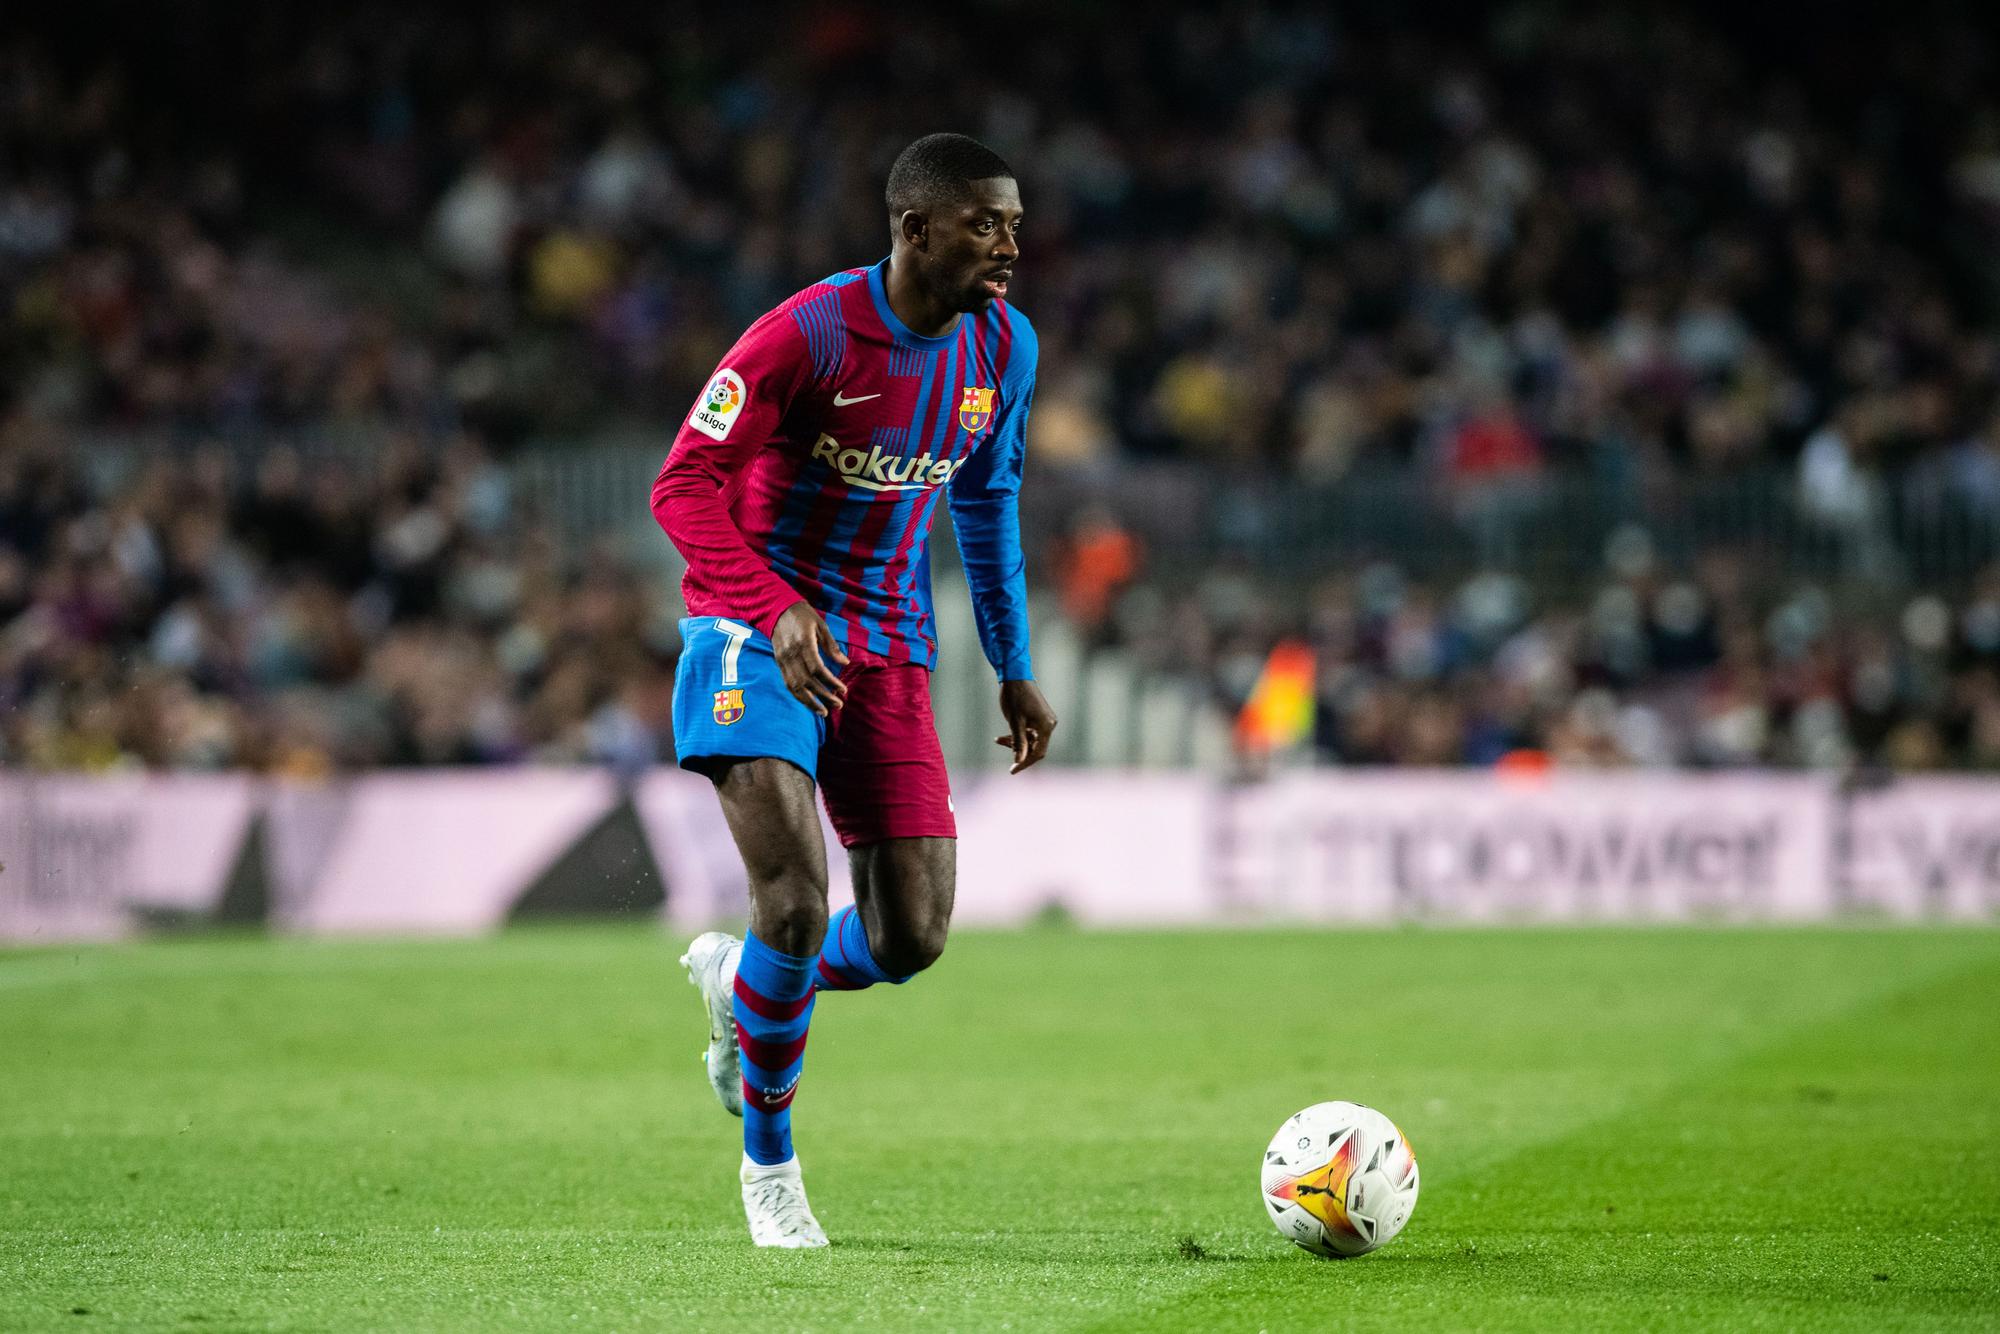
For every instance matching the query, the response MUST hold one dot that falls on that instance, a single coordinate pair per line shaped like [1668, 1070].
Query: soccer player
[801, 491]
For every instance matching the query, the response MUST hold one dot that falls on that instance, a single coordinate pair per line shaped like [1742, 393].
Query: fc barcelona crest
[728, 706]
[975, 409]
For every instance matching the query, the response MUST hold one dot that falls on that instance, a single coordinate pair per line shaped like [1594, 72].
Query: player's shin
[773, 1007]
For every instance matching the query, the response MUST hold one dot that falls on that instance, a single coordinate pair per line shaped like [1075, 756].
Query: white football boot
[711, 965]
[774, 1200]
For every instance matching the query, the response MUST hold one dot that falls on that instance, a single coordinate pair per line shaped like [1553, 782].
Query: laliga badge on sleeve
[720, 403]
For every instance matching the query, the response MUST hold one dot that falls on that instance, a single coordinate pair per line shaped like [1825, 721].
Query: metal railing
[1553, 530]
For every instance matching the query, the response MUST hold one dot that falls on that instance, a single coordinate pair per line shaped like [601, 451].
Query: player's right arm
[737, 413]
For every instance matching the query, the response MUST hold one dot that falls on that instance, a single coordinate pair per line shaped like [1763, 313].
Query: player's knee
[909, 947]
[790, 922]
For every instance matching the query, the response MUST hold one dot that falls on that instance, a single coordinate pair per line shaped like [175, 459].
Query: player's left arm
[986, 515]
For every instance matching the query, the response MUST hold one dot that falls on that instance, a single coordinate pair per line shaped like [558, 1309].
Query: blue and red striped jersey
[812, 464]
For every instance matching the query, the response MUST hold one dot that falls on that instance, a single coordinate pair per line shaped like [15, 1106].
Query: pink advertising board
[1448, 845]
[1925, 847]
[453, 850]
[445, 850]
[84, 856]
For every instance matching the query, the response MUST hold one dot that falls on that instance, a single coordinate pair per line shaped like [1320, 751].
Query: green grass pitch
[1054, 1130]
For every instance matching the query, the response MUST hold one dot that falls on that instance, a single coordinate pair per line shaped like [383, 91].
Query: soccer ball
[1340, 1179]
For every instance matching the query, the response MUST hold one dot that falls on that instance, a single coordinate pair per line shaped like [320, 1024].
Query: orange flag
[1279, 712]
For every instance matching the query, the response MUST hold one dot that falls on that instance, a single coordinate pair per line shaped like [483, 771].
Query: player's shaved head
[955, 224]
[937, 172]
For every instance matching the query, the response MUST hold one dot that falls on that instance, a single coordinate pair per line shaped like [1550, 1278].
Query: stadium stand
[277, 348]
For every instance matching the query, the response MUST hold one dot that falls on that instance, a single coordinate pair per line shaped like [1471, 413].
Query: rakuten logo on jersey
[872, 470]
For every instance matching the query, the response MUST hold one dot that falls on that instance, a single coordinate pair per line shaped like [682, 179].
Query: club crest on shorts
[975, 407]
[728, 706]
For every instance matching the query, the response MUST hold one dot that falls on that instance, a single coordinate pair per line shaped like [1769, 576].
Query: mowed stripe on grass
[1648, 1129]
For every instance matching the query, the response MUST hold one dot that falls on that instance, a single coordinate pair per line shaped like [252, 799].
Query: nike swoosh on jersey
[840, 402]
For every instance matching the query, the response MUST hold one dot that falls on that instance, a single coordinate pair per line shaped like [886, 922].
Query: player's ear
[914, 228]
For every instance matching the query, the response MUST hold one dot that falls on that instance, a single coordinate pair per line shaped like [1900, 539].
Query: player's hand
[1029, 720]
[802, 645]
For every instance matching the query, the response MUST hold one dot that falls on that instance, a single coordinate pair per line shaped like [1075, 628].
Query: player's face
[974, 247]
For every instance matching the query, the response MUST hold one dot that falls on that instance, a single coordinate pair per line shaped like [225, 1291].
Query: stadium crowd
[314, 618]
[1710, 668]
[305, 619]
[1628, 245]
[1259, 237]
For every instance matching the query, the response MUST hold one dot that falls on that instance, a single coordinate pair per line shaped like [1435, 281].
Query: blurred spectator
[1093, 563]
[1493, 465]
[474, 225]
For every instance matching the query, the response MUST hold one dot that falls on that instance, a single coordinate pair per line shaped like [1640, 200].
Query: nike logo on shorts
[840, 402]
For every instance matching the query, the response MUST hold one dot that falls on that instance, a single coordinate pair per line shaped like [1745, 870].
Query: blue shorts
[731, 701]
[880, 771]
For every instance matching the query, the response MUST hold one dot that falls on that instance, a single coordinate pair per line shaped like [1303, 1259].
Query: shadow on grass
[1184, 1253]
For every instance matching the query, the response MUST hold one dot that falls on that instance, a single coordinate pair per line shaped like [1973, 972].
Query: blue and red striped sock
[773, 1006]
[845, 961]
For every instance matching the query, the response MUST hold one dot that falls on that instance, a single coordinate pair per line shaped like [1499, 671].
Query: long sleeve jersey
[811, 467]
